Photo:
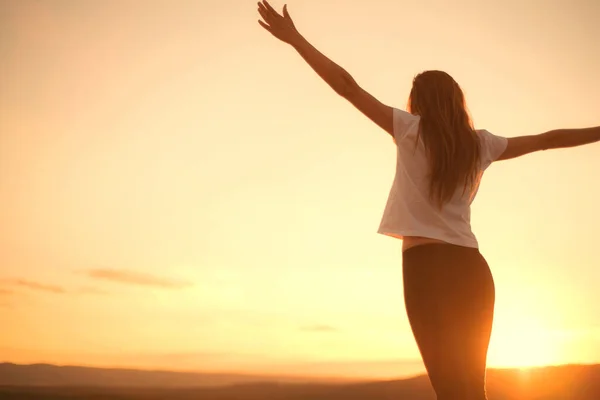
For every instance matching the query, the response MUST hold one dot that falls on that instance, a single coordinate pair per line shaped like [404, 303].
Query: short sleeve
[492, 147]
[402, 122]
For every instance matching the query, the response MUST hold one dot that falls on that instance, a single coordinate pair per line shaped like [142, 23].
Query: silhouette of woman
[449, 290]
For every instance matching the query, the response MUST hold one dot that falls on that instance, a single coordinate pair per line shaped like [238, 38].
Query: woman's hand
[282, 27]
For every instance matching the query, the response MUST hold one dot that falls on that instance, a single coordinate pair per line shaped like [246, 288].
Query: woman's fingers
[271, 9]
[264, 14]
[268, 15]
[286, 14]
[267, 27]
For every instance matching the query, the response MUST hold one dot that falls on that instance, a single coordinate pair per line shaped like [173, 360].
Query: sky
[180, 191]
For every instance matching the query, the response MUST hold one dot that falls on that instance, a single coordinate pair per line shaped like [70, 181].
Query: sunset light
[525, 346]
[181, 192]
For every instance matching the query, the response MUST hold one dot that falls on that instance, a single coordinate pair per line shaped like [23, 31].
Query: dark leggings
[449, 295]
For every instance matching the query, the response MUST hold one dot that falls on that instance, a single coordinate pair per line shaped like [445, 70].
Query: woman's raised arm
[283, 28]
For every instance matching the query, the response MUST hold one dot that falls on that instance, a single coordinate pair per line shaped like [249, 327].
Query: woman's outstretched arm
[555, 139]
[283, 28]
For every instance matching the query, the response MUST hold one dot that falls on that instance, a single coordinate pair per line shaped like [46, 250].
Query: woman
[448, 287]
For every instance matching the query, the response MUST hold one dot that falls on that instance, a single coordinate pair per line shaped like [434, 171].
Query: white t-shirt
[408, 211]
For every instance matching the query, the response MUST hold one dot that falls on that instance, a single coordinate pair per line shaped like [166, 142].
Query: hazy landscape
[42, 381]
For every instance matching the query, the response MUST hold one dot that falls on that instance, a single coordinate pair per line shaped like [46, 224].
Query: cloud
[38, 286]
[42, 287]
[135, 278]
[319, 328]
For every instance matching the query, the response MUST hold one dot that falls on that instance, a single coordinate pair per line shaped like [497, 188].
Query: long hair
[447, 133]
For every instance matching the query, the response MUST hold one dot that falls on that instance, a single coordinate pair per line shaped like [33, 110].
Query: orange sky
[179, 190]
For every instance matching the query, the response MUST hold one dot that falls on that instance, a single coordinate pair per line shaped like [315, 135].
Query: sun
[522, 347]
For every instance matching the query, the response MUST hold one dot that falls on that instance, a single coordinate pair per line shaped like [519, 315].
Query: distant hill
[571, 382]
[53, 375]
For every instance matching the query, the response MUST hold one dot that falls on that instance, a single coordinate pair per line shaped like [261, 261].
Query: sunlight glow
[524, 346]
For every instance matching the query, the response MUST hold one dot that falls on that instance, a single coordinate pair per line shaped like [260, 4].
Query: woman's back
[410, 212]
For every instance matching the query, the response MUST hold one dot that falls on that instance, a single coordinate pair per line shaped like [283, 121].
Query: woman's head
[447, 133]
